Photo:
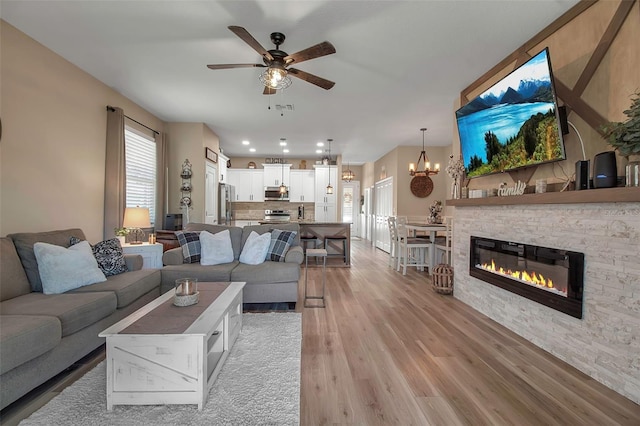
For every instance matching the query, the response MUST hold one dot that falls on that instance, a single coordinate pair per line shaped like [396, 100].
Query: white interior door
[383, 208]
[211, 193]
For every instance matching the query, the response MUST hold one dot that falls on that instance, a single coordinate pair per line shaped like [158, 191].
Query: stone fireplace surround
[605, 344]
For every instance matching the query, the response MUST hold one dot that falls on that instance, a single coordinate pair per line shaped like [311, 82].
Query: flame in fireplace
[532, 278]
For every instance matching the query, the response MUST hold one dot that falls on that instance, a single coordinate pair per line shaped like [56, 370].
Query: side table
[151, 253]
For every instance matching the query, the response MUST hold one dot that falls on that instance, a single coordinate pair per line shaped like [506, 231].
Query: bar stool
[342, 238]
[306, 239]
[315, 253]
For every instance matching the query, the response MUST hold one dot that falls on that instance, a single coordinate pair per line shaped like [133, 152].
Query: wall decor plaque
[421, 186]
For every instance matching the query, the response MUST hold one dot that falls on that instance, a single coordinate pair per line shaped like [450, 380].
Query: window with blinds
[140, 152]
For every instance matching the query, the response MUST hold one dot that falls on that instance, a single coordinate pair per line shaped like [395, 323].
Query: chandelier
[414, 168]
[348, 175]
[275, 77]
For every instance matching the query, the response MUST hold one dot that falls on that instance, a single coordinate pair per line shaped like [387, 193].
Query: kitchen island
[320, 230]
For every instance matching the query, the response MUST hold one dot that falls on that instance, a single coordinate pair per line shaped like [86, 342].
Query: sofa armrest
[294, 255]
[173, 257]
[133, 261]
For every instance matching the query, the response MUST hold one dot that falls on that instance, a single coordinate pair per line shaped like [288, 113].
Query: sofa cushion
[128, 287]
[234, 231]
[190, 245]
[267, 272]
[13, 280]
[280, 243]
[74, 310]
[63, 269]
[255, 249]
[25, 337]
[24, 246]
[216, 248]
[219, 273]
[108, 254]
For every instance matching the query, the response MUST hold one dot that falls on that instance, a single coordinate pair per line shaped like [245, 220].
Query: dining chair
[443, 247]
[393, 242]
[412, 251]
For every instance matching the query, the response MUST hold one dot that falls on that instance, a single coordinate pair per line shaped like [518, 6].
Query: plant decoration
[434, 212]
[625, 136]
[121, 232]
[455, 170]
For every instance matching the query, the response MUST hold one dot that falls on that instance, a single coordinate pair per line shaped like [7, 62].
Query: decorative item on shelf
[443, 279]
[121, 234]
[302, 165]
[136, 218]
[329, 187]
[228, 164]
[348, 175]
[186, 292]
[186, 169]
[414, 168]
[152, 238]
[625, 138]
[455, 170]
[186, 186]
[210, 155]
[251, 165]
[434, 212]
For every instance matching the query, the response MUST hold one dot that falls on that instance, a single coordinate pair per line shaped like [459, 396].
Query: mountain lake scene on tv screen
[513, 124]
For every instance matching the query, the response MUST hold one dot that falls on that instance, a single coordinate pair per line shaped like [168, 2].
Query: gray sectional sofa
[268, 282]
[41, 335]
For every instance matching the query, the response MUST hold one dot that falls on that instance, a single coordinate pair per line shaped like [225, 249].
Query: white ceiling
[399, 64]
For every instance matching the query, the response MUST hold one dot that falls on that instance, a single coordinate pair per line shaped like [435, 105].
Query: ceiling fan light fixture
[275, 77]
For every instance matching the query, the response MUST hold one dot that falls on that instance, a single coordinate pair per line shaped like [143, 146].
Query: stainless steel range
[277, 215]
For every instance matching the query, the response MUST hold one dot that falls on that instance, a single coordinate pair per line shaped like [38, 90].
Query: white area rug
[259, 384]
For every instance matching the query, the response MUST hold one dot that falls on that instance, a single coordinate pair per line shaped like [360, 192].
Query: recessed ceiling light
[252, 150]
[245, 142]
[320, 144]
[285, 150]
[283, 143]
[318, 151]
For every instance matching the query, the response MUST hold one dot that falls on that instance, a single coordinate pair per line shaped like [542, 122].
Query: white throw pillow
[215, 248]
[255, 248]
[62, 269]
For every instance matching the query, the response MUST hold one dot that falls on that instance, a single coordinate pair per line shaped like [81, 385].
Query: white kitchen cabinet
[325, 213]
[222, 169]
[325, 207]
[248, 183]
[275, 174]
[303, 186]
[243, 223]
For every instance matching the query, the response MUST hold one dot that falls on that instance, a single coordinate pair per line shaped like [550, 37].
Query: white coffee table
[165, 354]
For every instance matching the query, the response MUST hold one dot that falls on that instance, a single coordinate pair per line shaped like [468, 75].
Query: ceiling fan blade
[248, 38]
[321, 49]
[227, 66]
[268, 91]
[310, 78]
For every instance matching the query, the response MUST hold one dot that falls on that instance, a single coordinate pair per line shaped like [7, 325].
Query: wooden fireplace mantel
[603, 195]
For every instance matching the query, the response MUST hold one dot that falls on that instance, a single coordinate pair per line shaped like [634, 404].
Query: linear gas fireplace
[545, 275]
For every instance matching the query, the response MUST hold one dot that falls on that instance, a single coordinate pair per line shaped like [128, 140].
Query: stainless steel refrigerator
[227, 194]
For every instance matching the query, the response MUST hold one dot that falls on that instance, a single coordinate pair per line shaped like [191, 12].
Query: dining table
[432, 229]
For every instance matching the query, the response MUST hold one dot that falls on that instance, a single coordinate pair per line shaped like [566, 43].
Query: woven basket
[443, 279]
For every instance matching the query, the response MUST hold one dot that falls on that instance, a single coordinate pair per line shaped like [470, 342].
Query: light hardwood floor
[387, 350]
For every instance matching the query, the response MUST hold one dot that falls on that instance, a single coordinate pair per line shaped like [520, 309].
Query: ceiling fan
[277, 62]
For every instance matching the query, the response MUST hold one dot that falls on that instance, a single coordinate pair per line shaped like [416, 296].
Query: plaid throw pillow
[190, 243]
[280, 243]
[108, 254]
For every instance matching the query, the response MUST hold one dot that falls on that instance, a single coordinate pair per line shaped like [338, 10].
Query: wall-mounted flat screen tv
[514, 123]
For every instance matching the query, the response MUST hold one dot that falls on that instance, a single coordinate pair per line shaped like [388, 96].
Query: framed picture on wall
[210, 155]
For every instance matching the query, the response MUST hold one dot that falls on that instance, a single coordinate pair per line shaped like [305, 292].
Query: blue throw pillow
[190, 243]
[280, 243]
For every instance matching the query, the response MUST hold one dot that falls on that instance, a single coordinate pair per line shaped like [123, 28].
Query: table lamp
[136, 218]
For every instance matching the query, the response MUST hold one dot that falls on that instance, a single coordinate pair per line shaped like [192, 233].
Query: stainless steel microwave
[272, 193]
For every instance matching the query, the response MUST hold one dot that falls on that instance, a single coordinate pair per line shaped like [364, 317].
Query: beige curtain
[162, 161]
[114, 175]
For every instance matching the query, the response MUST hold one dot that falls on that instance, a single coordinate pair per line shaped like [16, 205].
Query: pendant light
[414, 169]
[329, 187]
[348, 175]
[283, 188]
